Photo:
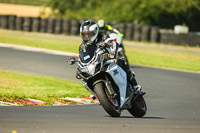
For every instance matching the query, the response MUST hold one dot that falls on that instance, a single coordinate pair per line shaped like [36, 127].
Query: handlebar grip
[71, 61]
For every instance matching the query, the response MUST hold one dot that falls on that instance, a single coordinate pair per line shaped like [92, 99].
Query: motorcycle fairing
[119, 77]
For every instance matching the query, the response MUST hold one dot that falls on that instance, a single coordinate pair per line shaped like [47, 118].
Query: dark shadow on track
[137, 117]
[142, 117]
[136, 66]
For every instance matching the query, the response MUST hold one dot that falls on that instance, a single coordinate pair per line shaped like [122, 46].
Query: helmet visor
[87, 35]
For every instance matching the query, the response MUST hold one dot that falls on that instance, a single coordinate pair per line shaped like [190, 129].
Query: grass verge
[48, 89]
[157, 55]
[26, 2]
[40, 40]
[182, 58]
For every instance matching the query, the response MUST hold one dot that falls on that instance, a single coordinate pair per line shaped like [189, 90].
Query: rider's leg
[130, 74]
[121, 53]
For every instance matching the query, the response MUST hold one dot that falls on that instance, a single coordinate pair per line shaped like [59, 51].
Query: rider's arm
[110, 43]
[109, 27]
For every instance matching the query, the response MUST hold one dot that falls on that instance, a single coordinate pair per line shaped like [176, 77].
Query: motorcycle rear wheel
[111, 106]
[139, 107]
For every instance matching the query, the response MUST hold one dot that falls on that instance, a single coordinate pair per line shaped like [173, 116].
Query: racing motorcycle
[107, 81]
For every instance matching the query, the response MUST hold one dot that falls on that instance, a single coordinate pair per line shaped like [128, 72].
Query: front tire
[111, 106]
[139, 107]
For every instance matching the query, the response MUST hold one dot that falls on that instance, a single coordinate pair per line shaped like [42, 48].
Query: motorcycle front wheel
[110, 105]
[139, 107]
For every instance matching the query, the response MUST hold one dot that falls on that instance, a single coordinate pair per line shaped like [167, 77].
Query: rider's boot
[135, 86]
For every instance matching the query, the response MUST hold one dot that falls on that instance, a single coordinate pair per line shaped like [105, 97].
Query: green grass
[148, 54]
[21, 86]
[55, 42]
[26, 2]
[183, 59]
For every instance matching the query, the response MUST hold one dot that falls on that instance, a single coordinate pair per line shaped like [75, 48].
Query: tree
[163, 13]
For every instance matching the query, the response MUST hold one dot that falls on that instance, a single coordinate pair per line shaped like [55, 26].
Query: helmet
[89, 31]
[101, 23]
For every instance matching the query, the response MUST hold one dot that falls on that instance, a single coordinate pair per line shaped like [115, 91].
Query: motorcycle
[107, 81]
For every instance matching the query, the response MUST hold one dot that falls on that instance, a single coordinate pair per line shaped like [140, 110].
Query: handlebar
[72, 61]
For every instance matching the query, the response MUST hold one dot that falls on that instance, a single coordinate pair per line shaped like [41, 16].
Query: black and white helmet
[89, 31]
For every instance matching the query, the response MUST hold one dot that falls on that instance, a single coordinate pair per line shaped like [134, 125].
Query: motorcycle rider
[103, 27]
[90, 35]
[107, 29]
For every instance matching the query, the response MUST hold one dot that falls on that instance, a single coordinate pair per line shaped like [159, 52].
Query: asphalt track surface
[172, 99]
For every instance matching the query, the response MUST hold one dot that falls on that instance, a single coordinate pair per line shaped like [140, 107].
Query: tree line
[162, 13]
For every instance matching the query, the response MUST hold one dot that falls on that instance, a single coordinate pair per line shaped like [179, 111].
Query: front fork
[108, 85]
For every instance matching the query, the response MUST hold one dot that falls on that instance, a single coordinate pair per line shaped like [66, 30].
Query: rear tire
[139, 107]
[109, 106]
